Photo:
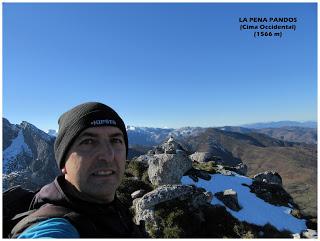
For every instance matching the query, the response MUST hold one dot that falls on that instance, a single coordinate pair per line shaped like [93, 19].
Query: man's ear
[64, 170]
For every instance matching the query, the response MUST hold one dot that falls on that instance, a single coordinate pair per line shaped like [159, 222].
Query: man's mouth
[103, 173]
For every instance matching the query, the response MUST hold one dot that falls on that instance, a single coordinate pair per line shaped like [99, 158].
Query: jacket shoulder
[51, 228]
[48, 211]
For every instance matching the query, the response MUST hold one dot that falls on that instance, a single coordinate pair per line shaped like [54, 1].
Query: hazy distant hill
[278, 124]
[289, 133]
[295, 134]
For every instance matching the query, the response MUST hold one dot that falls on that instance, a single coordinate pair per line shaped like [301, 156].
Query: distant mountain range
[279, 124]
[303, 132]
[28, 157]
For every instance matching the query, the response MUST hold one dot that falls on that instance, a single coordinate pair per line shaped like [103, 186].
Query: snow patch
[52, 132]
[131, 128]
[254, 210]
[17, 147]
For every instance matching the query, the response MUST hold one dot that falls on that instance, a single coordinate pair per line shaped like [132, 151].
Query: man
[91, 150]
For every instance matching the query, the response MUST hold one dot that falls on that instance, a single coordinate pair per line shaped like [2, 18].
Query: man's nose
[106, 151]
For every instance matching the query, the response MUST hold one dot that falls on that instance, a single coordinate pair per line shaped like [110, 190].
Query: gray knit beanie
[74, 121]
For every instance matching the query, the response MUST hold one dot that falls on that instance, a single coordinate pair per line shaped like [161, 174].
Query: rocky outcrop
[222, 170]
[230, 198]
[171, 146]
[144, 207]
[270, 177]
[309, 233]
[168, 168]
[138, 194]
[201, 156]
[241, 169]
[170, 165]
[143, 158]
[272, 193]
[195, 174]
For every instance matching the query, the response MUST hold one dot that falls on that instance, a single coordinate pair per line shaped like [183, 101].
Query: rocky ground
[176, 194]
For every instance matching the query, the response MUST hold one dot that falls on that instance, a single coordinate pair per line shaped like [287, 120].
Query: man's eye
[116, 140]
[87, 141]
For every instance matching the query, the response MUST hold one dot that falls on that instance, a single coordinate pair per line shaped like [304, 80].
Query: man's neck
[74, 192]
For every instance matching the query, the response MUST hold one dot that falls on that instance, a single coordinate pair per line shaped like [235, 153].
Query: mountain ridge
[296, 162]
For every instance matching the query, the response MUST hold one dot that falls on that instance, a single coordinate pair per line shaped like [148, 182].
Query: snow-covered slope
[52, 132]
[254, 210]
[17, 148]
[28, 157]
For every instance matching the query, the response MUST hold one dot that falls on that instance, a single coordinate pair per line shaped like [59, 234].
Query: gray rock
[164, 193]
[270, 177]
[220, 169]
[241, 169]
[230, 198]
[143, 158]
[195, 174]
[171, 146]
[312, 234]
[146, 215]
[201, 198]
[200, 156]
[144, 207]
[296, 236]
[138, 193]
[168, 168]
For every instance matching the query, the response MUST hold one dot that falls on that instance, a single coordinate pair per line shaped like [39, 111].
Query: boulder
[194, 174]
[200, 157]
[221, 169]
[270, 177]
[144, 207]
[241, 169]
[230, 198]
[171, 146]
[200, 199]
[296, 236]
[312, 234]
[168, 168]
[164, 193]
[143, 158]
[138, 193]
[272, 193]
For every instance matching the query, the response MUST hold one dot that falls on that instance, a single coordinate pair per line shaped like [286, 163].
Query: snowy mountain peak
[131, 128]
[52, 132]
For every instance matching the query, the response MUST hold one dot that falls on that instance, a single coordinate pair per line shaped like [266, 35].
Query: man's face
[96, 162]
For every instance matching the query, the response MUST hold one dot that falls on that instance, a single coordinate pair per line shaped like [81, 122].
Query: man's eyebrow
[118, 134]
[87, 134]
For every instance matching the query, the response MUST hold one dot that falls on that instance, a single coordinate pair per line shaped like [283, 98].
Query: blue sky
[160, 65]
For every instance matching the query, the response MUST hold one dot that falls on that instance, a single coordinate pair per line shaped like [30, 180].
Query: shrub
[130, 185]
[175, 220]
[136, 169]
[219, 223]
[172, 232]
[205, 166]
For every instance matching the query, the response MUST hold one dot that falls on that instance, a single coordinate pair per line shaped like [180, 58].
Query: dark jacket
[92, 220]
